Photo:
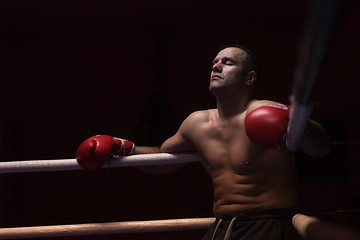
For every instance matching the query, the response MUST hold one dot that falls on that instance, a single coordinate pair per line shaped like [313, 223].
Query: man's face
[228, 69]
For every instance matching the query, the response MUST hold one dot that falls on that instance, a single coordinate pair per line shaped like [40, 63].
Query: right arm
[181, 141]
[93, 152]
[146, 150]
[176, 144]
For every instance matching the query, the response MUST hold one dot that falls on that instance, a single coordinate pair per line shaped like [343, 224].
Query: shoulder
[197, 118]
[202, 116]
[254, 104]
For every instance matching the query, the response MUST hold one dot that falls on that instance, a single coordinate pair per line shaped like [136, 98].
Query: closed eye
[225, 60]
[228, 61]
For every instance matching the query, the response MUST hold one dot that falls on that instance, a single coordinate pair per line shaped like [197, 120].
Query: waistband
[265, 214]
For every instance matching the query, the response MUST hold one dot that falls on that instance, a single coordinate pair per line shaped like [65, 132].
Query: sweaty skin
[246, 177]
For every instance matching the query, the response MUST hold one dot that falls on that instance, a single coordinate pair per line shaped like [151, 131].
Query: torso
[246, 177]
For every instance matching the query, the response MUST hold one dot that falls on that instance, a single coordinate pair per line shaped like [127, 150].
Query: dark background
[137, 69]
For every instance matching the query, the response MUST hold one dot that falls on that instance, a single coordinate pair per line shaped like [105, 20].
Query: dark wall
[70, 71]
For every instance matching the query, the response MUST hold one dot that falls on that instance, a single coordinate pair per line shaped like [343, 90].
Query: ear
[251, 78]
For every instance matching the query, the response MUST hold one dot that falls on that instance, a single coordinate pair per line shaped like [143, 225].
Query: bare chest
[221, 147]
[227, 148]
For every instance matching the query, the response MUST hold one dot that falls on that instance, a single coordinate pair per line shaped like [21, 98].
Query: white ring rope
[106, 228]
[71, 164]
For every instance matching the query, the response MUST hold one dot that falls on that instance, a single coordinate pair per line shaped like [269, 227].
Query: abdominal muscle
[234, 194]
[262, 184]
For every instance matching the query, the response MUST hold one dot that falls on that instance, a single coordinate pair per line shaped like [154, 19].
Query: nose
[217, 67]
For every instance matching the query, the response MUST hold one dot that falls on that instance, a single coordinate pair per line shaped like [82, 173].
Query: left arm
[266, 122]
[315, 142]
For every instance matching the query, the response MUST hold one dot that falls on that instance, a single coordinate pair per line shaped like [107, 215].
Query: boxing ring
[301, 222]
[101, 228]
[312, 51]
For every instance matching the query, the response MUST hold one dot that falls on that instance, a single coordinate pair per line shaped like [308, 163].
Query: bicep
[177, 143]
[182, 140]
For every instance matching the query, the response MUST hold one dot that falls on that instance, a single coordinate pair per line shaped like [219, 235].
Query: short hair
[252, 60]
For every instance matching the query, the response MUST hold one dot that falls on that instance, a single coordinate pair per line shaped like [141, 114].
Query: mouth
[216, 77]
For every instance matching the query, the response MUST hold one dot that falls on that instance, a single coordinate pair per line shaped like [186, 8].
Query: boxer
[240, 145]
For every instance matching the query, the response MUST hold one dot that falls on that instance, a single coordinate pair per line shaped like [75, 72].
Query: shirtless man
[254, 185]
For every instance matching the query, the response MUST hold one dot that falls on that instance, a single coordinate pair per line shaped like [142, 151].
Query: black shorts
[264, 225]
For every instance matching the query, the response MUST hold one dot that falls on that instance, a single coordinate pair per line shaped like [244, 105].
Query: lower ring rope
[310, 227]
[71, 164]
[106, 228]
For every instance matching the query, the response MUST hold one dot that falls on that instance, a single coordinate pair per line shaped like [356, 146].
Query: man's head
[235, 66]
[251, 61]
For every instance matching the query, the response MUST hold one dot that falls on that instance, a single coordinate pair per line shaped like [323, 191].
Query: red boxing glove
[93, 152]
[267, 125]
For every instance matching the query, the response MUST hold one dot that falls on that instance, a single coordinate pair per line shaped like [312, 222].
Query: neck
[230, 107]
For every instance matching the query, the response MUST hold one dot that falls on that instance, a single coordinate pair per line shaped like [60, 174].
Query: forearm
[146, 150]
[315, 141]
[156, 169]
